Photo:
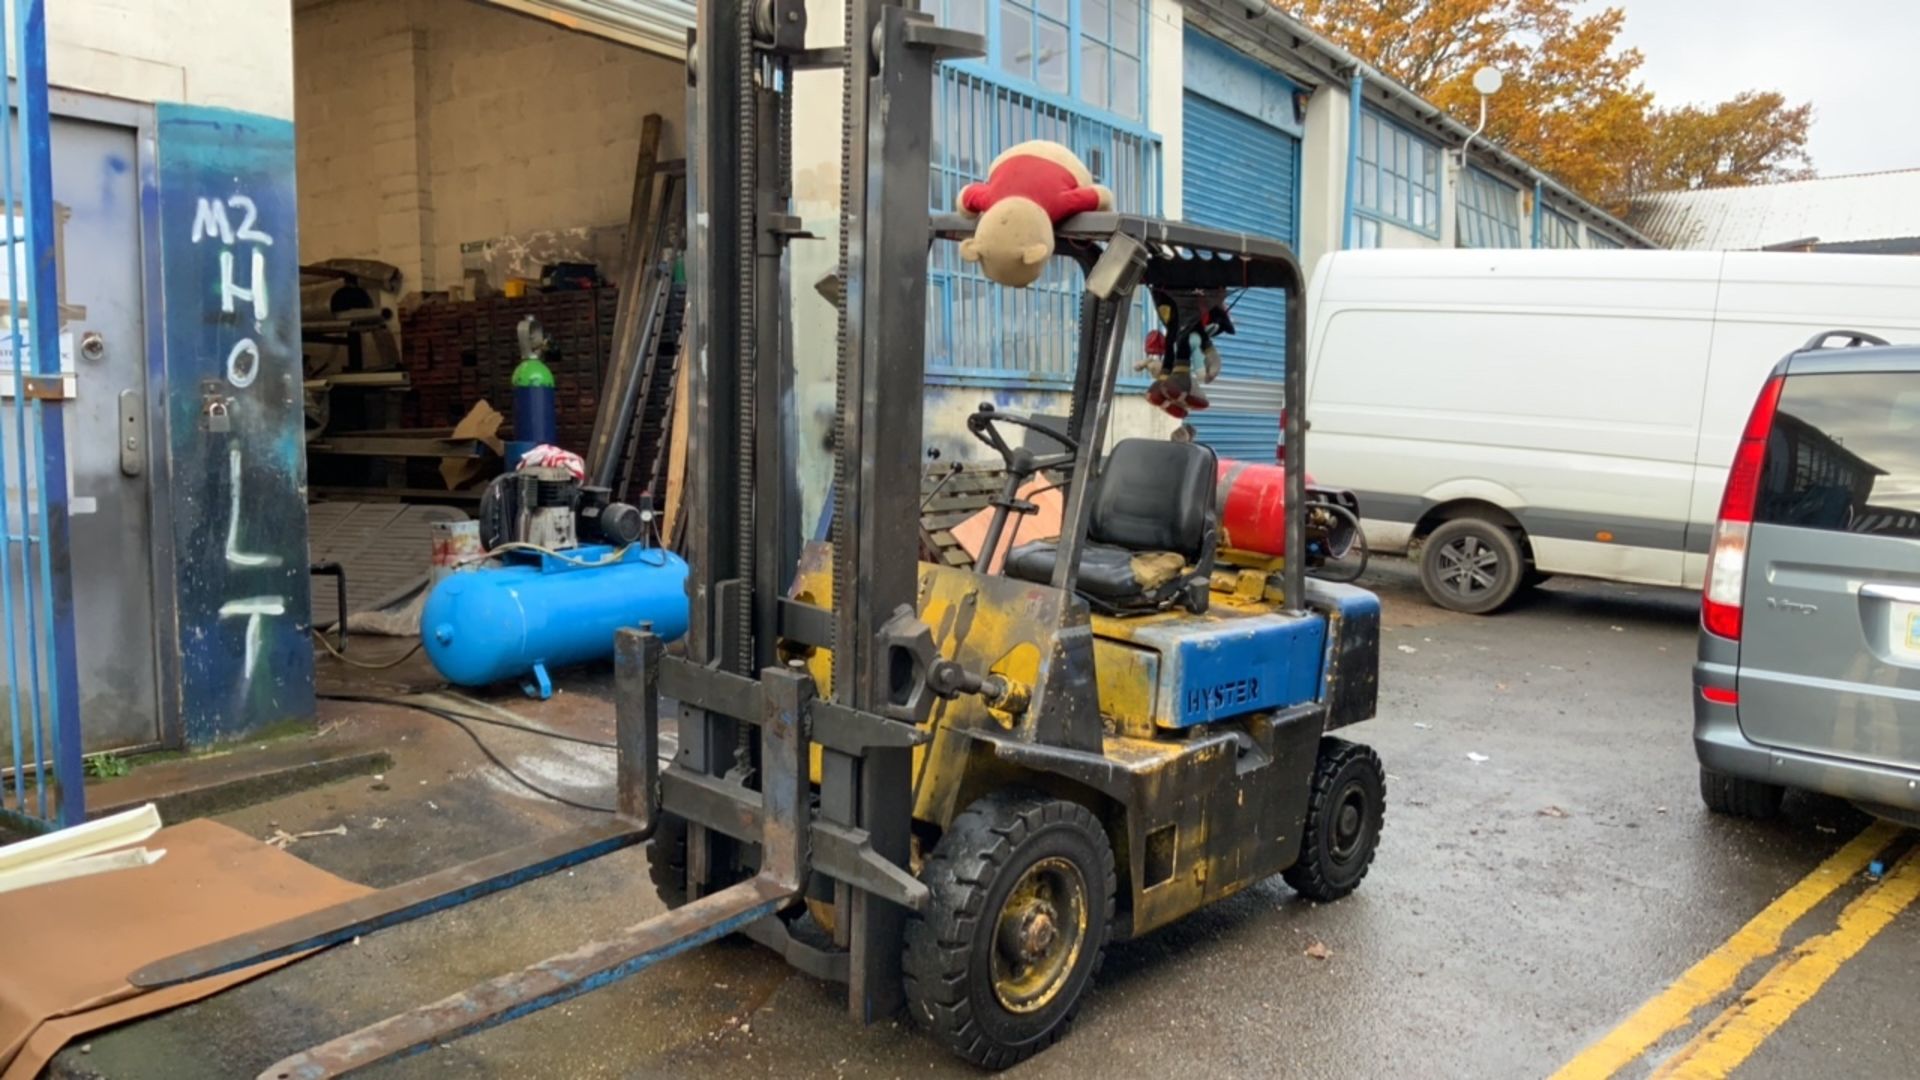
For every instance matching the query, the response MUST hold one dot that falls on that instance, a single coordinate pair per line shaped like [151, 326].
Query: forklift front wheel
[1344, 814]
[1023, 892]
[667, 863]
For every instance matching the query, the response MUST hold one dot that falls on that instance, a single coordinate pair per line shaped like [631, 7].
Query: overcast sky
[1856, 60]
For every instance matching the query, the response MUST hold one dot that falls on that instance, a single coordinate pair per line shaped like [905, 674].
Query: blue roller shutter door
[1240, 173]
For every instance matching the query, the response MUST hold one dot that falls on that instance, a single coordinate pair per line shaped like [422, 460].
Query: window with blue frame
[1113, 44]
[1557, 230]
[1087, 52]
[1032, 86]
[1489, 212]
[1602, 241]
[1399, 177]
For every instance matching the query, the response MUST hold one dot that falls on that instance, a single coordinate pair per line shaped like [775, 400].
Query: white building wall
[1323, 174]
[235, 54]
[426, 124]
[1166, 28]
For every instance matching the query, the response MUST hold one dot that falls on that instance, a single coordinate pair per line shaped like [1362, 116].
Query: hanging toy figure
[1030, 189]
[1189, 323]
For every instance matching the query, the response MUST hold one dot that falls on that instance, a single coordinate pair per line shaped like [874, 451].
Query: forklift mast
[742, 513]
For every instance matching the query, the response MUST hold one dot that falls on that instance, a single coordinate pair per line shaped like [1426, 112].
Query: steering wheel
[1019, 460]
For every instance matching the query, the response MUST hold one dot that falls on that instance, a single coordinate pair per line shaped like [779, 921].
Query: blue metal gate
[43, 783]
[1240, 169]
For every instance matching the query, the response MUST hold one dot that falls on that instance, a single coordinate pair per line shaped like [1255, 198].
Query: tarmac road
[1522, 906]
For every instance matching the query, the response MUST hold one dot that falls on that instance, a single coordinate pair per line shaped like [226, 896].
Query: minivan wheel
[1737, 796]
[1471, 566]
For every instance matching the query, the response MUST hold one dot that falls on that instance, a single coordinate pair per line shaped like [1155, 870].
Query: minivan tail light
[1720, 607]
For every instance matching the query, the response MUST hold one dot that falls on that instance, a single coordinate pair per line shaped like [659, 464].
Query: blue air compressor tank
[539, 611]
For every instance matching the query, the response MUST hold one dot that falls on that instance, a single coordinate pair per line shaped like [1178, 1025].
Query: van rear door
[1830, 648]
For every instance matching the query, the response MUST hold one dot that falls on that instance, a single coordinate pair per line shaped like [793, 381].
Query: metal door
[97, 191]
[1240, 170]
[1830, 643]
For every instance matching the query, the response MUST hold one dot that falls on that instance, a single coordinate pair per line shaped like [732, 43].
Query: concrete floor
[1495, 938]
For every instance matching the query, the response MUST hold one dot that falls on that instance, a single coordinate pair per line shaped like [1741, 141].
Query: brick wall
[423, 124]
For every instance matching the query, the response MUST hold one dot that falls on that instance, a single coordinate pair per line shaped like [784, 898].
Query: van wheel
[1471, 566]
[1737, 796]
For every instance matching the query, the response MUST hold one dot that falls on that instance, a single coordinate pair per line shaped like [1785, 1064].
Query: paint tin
[456, 546]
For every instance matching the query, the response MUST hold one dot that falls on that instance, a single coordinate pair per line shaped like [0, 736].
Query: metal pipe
[1355, 89]
[1284, 33]
[1539, 212]
[1294, 574]
[1475, 133]
[49, 428]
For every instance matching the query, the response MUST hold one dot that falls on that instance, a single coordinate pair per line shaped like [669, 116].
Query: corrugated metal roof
[1837, 209]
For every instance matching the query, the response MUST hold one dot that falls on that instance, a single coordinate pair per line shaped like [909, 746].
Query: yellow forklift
[947, 789]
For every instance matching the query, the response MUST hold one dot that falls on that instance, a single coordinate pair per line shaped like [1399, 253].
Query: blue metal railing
[976, 330]
[44, 786]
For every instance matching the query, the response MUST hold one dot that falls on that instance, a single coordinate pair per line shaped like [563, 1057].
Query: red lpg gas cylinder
[1253, 506]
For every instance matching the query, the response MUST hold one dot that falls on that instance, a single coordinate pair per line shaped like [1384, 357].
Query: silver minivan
[1808, 675]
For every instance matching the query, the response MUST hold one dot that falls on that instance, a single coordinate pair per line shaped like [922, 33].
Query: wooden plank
[677, 450]
[944, 502]
[382, 494]
[627, 316]
[416, 446]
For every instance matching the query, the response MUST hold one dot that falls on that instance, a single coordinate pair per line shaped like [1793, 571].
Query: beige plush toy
[1030, 189]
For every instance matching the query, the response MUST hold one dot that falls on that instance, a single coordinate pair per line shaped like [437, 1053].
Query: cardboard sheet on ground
[1040, 525]
[67, 948]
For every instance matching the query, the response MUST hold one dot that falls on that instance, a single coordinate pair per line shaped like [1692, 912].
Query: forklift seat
[1151, 533]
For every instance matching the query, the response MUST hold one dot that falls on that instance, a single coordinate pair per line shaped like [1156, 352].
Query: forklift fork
[778, 818]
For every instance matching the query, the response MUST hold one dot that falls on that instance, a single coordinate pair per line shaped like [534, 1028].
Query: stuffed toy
[1190, 322]
[1030, 188]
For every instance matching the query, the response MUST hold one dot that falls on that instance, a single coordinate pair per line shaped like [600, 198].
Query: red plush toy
[1030, 188]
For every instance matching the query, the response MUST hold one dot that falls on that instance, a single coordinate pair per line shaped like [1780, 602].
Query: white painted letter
[255, 291]
[243, 366]
[252, 213]
[254, 608]
[210, 219]
[235, 556]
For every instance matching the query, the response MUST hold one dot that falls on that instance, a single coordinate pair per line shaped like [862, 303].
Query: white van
[1517, 414]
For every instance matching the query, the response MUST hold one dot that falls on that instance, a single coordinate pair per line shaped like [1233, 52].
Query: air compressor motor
[549, 508]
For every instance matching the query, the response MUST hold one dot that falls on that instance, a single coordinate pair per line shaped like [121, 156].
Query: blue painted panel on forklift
[1351, 600]
[233, 429]
[1353, 656]
[1215, 667]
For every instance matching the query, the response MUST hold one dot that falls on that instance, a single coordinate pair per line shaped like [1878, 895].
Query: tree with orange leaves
[1572, 104]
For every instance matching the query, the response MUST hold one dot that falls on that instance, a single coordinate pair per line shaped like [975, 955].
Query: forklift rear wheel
[1471, 566]
[1344, 814]
[1023, 886]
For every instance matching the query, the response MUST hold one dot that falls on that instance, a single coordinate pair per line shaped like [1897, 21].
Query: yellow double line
[1737, 1032]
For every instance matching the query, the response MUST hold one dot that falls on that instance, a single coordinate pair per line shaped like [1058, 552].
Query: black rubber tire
[1737, 796]
[667, 862]
[977, 862]
[1486, 540]
[1347, 776]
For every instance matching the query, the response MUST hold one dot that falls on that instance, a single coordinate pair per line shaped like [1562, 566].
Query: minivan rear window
[1844, 454]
